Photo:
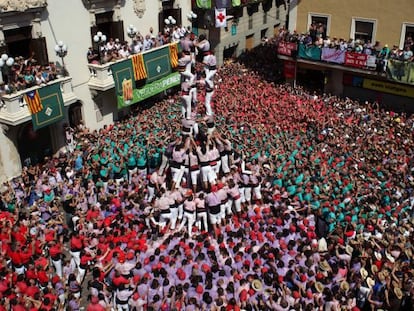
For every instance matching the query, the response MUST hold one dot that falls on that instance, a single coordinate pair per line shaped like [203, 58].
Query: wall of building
[227, 39]
[10, 165]
[389, 15]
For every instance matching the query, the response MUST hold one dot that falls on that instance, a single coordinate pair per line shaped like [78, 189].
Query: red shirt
[95, 307]
[76, 243]
[16, 258]
[42, 277]
[32, 291]
[26, 255]
[55, 250]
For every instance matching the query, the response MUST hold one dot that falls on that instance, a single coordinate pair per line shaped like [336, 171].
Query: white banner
[221, 18]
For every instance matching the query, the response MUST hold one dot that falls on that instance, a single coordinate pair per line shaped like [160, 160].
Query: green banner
[53, 106]
[204, 4]
[400, 71]
[150, 89]
[124, 80]
[157, 63]
[309, 52]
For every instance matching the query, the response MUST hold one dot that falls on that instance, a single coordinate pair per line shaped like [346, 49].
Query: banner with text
[333, 55]
[149, 90]
[52, 106]
[286, 48]
[309, 52]
[400, 71]
[356, 60]
[387, 87]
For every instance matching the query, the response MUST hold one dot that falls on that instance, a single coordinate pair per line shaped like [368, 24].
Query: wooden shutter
[38, 47]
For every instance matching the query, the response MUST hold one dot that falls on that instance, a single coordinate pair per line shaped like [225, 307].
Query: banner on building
[289, 69]
[52, 106]
[153, 69]
[332, 55]
[356, 60]
[150, 89]
[33, 102]
[157, 63]
[309, 52]
[221, 19]
[387, 87]
[286, 48]
[400, 71]
[204, 4]
[124, 79]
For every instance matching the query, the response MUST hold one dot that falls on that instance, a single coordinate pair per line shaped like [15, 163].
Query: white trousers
[207, 103]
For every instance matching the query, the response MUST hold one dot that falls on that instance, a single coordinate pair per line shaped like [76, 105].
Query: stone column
[10, 165]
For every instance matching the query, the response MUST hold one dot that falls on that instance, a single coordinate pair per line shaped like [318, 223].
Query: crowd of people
[115, 49]
[25, 73]
[260, 197]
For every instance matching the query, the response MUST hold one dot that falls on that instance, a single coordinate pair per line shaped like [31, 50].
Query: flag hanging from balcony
[220, 4]
[52, 106]
[221, 19]
[32, 99]
[235, 2]
[204, 4]
[174, 54]
[139, 67]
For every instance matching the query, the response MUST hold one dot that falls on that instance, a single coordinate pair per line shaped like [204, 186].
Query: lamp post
[192, 17]
[6, 60]
[131, 31]
[99, 39]
[170, 22]
[62, 50]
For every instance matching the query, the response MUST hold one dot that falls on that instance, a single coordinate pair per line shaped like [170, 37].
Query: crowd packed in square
[235, 194]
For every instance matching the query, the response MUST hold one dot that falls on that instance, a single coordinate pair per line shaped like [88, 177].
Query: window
[320, 22]
[250, 26]
[105, 23]
[407, 35]
[363, 29]
[263, 33]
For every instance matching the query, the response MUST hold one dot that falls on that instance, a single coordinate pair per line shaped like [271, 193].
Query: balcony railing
[14, 110]
[101, 77]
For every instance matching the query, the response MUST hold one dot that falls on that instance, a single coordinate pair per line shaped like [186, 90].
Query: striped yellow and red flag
[33, 101]
[174, 54]
[139, 67]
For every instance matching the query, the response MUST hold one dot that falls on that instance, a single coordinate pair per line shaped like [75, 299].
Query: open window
[322, 23]
[407, 35]
[363, 29]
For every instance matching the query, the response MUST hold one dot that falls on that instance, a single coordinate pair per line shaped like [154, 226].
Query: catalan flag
[174, 54]
[33, 101]
[139, 67]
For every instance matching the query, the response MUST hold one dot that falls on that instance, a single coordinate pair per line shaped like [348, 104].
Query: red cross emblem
[221, 17]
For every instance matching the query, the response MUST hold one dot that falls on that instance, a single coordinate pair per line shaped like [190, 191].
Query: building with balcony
[57, 34]
[360, 70]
